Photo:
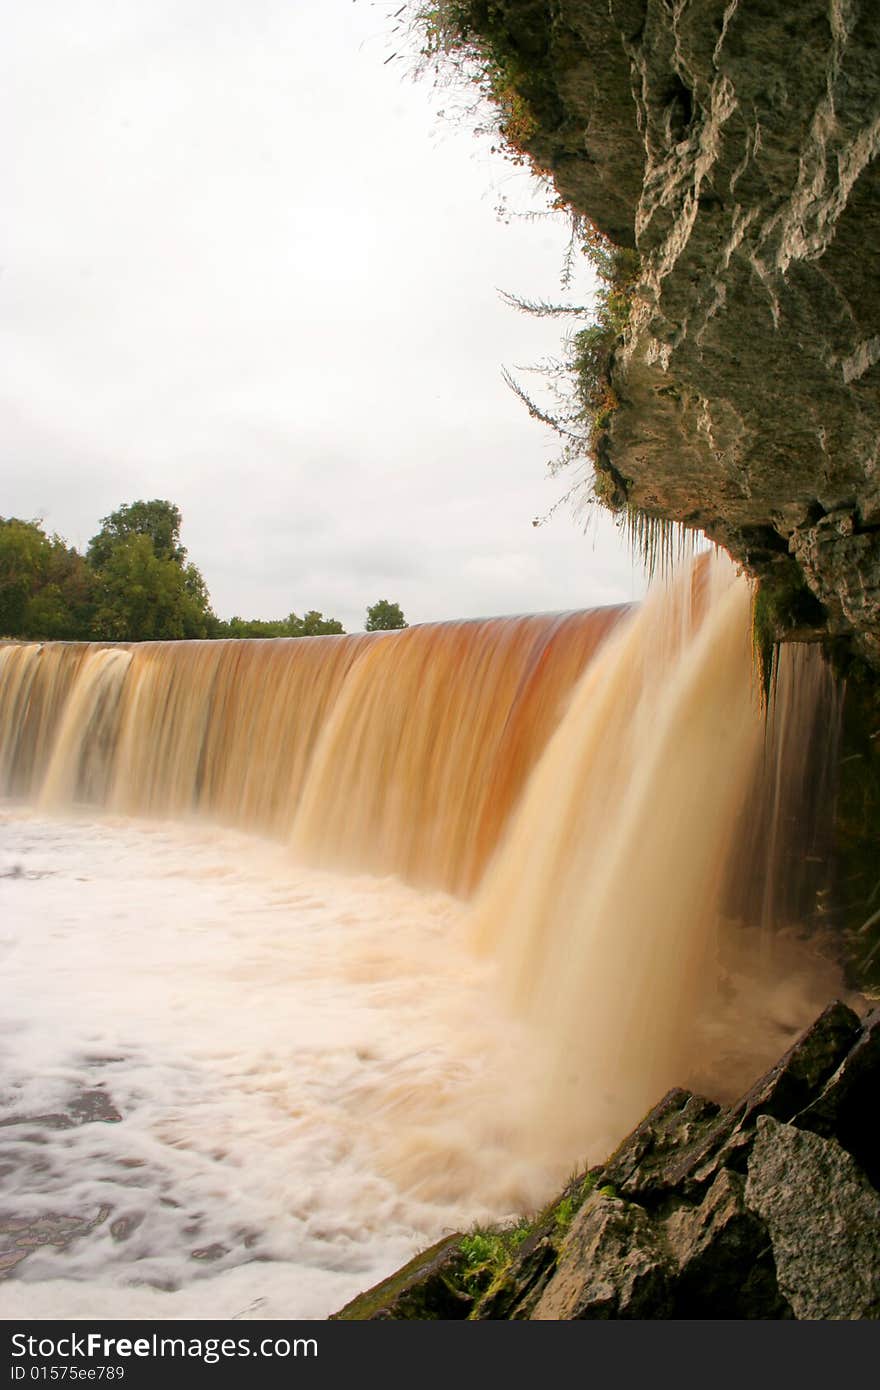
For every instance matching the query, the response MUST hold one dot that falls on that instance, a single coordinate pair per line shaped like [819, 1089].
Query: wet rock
[647, 1162]
[93, 1105]
[123, 1226]
[823, 1217]
[426, 1289]
[85, 1107]
[209, 1253]
[686, 1140]
[612, 1265]
[786, 1088]
[515, 1292]
[701, 1212]
[846, 1107]
[725, 1265]
[19, 1236]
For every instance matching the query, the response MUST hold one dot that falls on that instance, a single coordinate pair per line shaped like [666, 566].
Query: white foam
[302, 1064]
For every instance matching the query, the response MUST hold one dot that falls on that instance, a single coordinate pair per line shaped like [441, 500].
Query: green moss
[782, 604]
[428, 1288]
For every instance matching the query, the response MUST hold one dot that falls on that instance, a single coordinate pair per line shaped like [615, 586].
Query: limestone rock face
[735, 146]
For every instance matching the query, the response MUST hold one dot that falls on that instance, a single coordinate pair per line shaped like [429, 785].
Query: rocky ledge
[767, 1209]
[734, 146]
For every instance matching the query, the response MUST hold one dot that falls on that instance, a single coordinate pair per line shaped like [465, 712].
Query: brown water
[399, 752]
[602, 786]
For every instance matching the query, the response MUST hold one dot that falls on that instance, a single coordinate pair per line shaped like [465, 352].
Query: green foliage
[250, 627]
[141, 597]
[765, 641]
[576, 1193]
[617, 268]
[657, 540]
[45, 588]
[580, 383]
[133, 585]
[144, 589]
[158, 520]
[384, 617]
[314, 624]
[564, 1213]
[468, 45]
[487, 1250]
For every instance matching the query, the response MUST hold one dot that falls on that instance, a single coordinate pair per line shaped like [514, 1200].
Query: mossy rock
[428, 1289]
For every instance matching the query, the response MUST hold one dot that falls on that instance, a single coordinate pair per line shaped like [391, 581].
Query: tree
[142, 598]
[23, 545]
[145, 591]
[314, 624]
[384, 617]
[249, 627]
[45, 587]
[159, 520]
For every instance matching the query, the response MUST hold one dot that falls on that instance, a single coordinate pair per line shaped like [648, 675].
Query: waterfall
[602, 786]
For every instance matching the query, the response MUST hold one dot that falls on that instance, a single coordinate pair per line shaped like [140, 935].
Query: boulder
[823, 1216]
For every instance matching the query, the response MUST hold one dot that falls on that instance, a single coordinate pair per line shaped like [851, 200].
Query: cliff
[733, 146]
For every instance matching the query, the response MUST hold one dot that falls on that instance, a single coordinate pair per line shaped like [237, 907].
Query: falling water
[395, 752]
[600, 792]
[602, 907]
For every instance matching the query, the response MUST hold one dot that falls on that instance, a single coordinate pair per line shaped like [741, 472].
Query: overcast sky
[245, 265]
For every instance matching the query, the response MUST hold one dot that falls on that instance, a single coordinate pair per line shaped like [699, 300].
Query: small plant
[471, 44]
[571, 1202]
[486, 1251]
[564, 1213]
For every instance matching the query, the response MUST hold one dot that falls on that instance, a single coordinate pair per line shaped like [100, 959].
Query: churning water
[418, 923]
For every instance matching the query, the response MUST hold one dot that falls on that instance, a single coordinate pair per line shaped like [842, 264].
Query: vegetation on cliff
[472, 44]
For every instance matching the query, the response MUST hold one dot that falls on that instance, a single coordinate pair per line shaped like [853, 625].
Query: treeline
[134, 584]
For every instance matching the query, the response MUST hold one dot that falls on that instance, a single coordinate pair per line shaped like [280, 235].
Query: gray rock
[514, 1295]
[425, 1290]
[725, 1263]
[789, 1086]
[612, 1265]
[798, 1237]
[823, 1217]
[685, 1141]
[646, 1164]
[846, 1107]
